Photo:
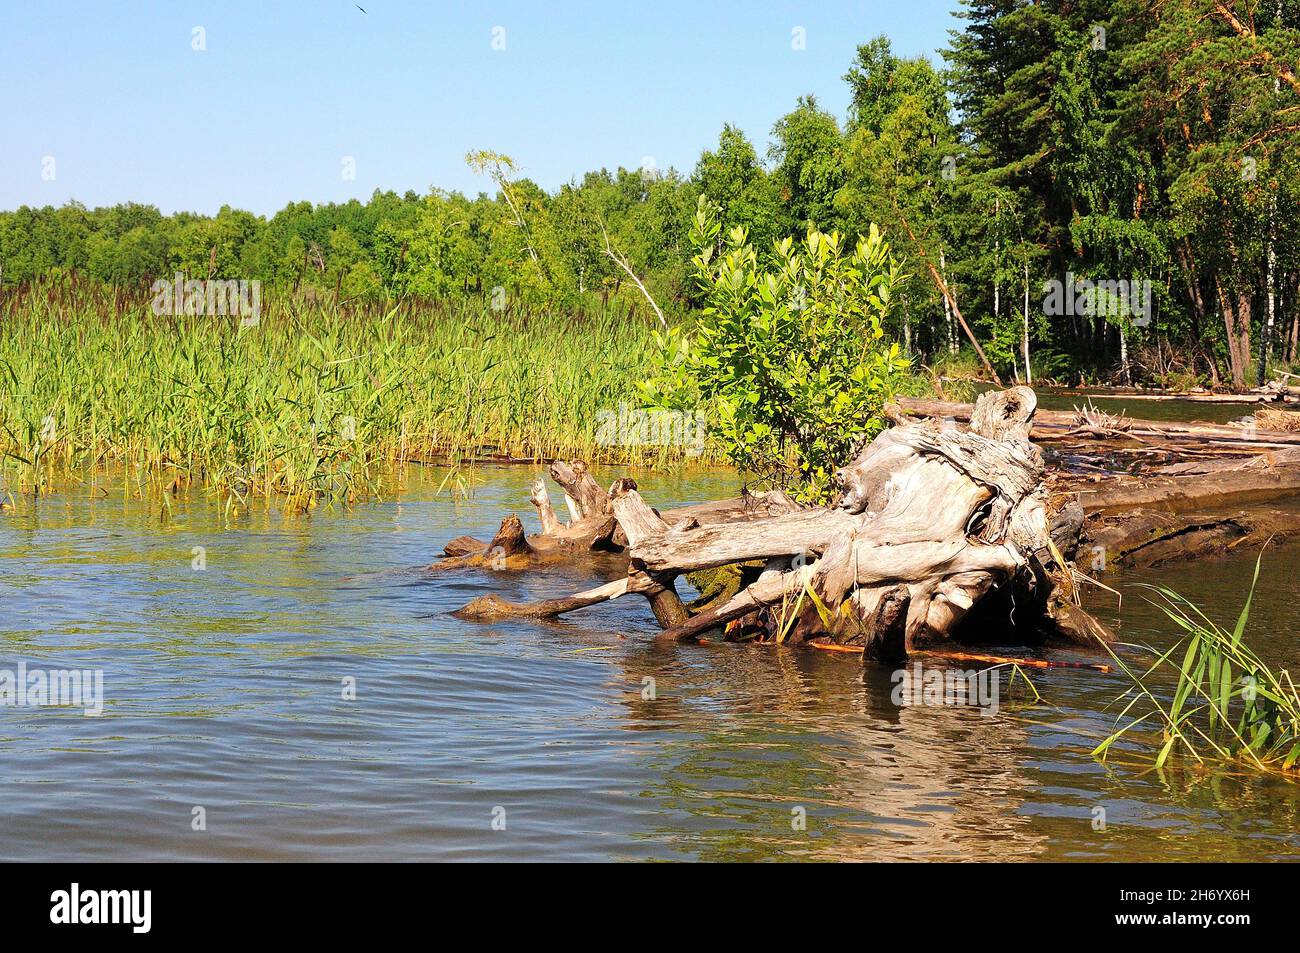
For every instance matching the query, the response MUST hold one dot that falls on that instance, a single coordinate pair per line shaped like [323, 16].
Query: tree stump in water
[932, 519]
[936, 525]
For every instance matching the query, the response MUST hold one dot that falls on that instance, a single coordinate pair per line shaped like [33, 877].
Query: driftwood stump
[932, 519]
[941, 531]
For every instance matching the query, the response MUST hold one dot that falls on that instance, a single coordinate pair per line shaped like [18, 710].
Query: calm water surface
[224, 691]
[1131, 406]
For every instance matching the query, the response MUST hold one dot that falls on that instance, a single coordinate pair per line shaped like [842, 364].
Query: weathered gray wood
[747, 506]
[1288, 457]
[1148, 537]
[638, 521]
[541, 499]
[949, 514]
[1175, 494]
[1005, 414]
[1049, 425]
[601, 533]
[581, 487]
[931, 520]
[720, 544]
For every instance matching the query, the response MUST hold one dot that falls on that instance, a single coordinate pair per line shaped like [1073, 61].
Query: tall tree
[808, 166]
[733, 177]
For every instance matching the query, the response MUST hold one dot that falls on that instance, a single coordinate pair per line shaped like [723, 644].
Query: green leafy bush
[787, 360]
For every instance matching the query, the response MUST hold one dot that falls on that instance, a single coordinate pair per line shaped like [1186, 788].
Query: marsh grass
[316, 402]
[1227, 703]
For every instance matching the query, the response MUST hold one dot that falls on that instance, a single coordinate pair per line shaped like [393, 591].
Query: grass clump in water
[1228, 703]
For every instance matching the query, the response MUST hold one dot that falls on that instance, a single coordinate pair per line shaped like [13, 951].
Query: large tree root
[950, 514]
[933, 521]
[594, 528]
[494, 607]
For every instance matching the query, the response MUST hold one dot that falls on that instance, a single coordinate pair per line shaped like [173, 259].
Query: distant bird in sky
[361, 8]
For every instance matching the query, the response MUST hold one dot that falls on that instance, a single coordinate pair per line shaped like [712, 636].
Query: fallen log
[687, 549]
[1184, 487]
[541, 499]
[1269, 460]
[1250, 397]
[1053, 425]
[510, 549]
[1145, 538]
[582, 493]
[639, 522]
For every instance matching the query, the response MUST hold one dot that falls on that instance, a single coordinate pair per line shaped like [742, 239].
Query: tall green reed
[1227, 703]
[315, 402]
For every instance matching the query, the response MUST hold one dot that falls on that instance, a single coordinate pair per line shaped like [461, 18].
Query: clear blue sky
[129, 111]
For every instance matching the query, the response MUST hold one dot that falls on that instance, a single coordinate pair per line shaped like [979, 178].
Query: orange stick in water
[973, 657]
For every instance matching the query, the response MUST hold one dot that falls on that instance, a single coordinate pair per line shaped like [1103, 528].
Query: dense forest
[1107, 188]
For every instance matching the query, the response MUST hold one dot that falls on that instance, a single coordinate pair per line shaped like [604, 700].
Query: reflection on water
[225, 690]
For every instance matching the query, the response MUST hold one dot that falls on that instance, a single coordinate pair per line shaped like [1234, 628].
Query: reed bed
[317, 401]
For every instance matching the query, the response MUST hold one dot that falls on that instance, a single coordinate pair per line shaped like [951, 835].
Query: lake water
[1129, 405]
[225, 710]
